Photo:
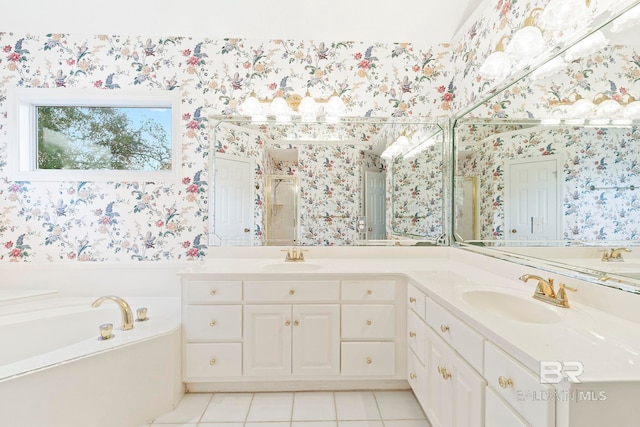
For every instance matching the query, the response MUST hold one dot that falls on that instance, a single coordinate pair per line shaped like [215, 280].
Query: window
[62, 134]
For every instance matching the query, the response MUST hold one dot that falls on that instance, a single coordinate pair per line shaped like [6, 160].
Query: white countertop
[607, 345]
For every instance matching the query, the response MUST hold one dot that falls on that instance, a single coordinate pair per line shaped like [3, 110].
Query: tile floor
[296, 409]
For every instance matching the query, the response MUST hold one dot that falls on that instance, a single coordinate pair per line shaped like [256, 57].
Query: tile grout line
[205, 409]
[246, 416]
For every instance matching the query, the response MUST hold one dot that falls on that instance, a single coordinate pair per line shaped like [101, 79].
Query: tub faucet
[125, 310]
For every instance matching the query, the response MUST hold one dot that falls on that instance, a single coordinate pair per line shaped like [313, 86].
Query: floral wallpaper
[168, 221]
[155, 221]
[600, 167]
[417, 194]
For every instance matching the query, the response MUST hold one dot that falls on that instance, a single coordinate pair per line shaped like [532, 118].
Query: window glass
[103, 138]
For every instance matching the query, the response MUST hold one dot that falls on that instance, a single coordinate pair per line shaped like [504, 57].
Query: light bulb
[527, 43]
[497, 66]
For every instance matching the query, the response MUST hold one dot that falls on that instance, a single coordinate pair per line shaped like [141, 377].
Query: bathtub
[55, 372]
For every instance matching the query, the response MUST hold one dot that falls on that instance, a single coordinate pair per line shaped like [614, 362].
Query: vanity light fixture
[548, 69]
[587, 46]
[629, 19]
[601, 111]
[527, 42]
[565, 16]
[294, 105]
[498, 65]
[403, 144]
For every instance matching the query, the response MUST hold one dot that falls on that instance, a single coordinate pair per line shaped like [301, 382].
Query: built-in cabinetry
[462, 379]
[294, 329]
[332, 331]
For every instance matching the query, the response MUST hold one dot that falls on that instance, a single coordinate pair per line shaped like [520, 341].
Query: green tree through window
[104, 138]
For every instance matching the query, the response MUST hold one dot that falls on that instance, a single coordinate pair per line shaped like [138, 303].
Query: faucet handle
[287, 257]
[562, 294]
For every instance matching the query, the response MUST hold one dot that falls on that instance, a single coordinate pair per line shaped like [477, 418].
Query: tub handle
[141, 313]
[105, 332]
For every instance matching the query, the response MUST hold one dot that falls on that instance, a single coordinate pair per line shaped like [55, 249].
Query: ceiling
[426, 22]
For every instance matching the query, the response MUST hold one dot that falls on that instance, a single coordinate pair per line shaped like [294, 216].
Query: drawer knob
[413, 376]
[505, 382]
[212, 362]
[412, 334]
[444, 328]
[213, 323]
[213, 292]
[369, 291]
[287, 323]
[412, 299]
[369, 322]
[443, 371]
[291, 292]
[369, 361]
[296, 323]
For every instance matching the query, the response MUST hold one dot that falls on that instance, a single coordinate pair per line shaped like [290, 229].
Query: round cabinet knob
[444, 328]
[287, 323]
[296, 323]
[413, 376]
[412, 299]
[246, 230]
[213, 292]
[213, 323]
[445, 374]
[369, 361]
[514, 231]
[412, 334]
[505, 382]
[369, 322]
[370, 229]
[212, 362]
[291, 292]
[369, 291]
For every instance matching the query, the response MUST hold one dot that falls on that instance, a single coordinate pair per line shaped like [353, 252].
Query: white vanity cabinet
[256, 333]
[212, 319]
[283, 340]
[416, 336]
[454, 386]
[369, 328]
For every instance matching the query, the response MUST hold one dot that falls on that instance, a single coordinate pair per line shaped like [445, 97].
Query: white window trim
[22, 129]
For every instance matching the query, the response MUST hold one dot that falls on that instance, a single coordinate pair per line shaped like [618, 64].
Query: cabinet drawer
[368, 322]
[368, 290]
[317, 290]
[213, 360]
[213, 322]
[498, 413]
[368, 358]
[518, 387]
[417, 378]
[416, 336]
[211, 292]
[467, 342]
[416, 301]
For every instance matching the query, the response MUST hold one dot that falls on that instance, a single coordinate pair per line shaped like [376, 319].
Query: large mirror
[321, 184]
[556, 161]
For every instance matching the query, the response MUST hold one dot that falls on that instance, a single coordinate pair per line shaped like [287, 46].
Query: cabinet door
[499, 414]
[316, 339]
[267, 340]
[468, 394]
[439, 371]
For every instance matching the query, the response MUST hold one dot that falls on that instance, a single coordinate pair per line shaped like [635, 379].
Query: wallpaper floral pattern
[600, 166]
[166, 221]
[153, 221]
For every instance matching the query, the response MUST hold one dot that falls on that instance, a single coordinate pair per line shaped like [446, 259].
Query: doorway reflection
[282, 210]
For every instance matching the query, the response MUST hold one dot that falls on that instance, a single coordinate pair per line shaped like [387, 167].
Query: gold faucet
[545, 292]
[293, 255]
[615, 255]
[125, 310]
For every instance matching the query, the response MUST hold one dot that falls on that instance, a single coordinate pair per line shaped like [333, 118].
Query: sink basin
[291, 266]
[512, 307]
